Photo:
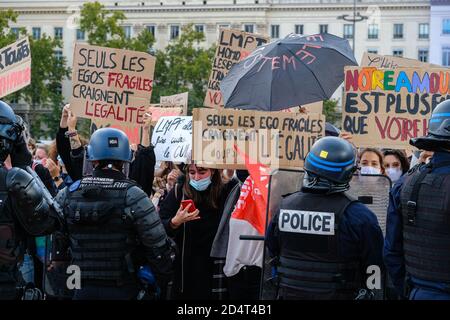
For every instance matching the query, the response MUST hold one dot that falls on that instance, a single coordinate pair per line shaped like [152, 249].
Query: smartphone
[185, 203]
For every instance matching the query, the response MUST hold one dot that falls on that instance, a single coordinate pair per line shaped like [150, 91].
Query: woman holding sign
[191, 214]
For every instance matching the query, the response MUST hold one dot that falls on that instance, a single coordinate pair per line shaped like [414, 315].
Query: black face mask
[5, 149]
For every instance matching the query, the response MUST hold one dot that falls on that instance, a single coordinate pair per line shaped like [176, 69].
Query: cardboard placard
[232, 47]
[134, 134]
[387, 107]
[175, 101]
[392, 62]
[15, 67]
[111, 84]
[157, 112]
[275, 139]
[172, 139]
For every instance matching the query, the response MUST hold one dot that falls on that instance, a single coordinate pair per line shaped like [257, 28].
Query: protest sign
[15, 67]
[157, 111]
[275, 139]
[172, 139]
[133, 133]
[392, 62]
[388, 107]
[232, 47]
[175, 101]
[111, 84]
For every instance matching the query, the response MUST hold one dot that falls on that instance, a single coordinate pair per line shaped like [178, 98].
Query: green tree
[184, 66]
[47, 73]
[330, 112]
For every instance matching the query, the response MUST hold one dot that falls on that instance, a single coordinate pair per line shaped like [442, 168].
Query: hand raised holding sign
[72, 120]
[64, 116]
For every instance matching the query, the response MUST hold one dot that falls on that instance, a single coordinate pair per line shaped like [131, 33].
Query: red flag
[252, 203]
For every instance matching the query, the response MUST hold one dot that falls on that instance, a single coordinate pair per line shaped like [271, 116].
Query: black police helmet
[109, 144]
[329, 166]
[438, 138]
[11, 127]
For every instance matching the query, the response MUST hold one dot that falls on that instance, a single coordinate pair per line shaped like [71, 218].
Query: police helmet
[329, 166]
[11, 126]
[109, 144]
[438, 138]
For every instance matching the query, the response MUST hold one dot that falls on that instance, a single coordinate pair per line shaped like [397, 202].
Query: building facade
[399, 27]
[440, 32]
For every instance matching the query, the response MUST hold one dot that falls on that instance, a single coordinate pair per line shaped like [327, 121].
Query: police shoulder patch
[74, 186]
[311, 222]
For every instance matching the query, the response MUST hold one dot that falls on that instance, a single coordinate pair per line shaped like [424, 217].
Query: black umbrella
[288, 72]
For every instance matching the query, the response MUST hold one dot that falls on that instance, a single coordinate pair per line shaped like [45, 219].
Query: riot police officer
[112, 225]
[417, 244]
[23, 208]
[323, 239]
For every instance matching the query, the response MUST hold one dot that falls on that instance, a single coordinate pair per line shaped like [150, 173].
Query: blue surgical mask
[200, 185]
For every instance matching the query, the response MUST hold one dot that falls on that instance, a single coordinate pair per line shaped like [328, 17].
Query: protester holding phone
[191, 213]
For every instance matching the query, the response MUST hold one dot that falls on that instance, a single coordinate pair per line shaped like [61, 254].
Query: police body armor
[425, 204]
[310, 265]
[9, 245]
[100, 226]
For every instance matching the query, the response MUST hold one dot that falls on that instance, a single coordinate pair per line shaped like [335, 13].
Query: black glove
[20, 155]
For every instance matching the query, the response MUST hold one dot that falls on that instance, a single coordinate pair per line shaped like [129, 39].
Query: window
[174, 32]
[58, 88]
[58, 33]
[152, 30]
[446, 56]
[323, 28]
[275, 31]
[398, 31]
[36, 33]
[423, 55]
[80, 34]
[127, 31]
[58, 55]
[446, 26]
[373, 51]
[249, 28]
[397, 53]
[424, 30]
[348, 31]
[199, 28]
[299, 29]
[16, 32]
[373, 31]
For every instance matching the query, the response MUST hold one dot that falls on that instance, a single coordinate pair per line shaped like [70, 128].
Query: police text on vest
[311, 222]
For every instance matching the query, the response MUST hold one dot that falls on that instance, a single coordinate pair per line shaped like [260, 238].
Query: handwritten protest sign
[388, 107]
[111, 84]
[392, 62]
[15, 67]
[134, 134]
[175, 101]
[276, 139]
[172, 139]
[232, 47]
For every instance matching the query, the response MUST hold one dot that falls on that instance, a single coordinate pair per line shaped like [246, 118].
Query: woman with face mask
[194, 231]
[371, 161]
[395, 164]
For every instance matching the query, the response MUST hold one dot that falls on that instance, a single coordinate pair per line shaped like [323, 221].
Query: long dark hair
[214, 189]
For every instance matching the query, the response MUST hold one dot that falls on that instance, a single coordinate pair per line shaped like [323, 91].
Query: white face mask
[394, 174]
[370, 170]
